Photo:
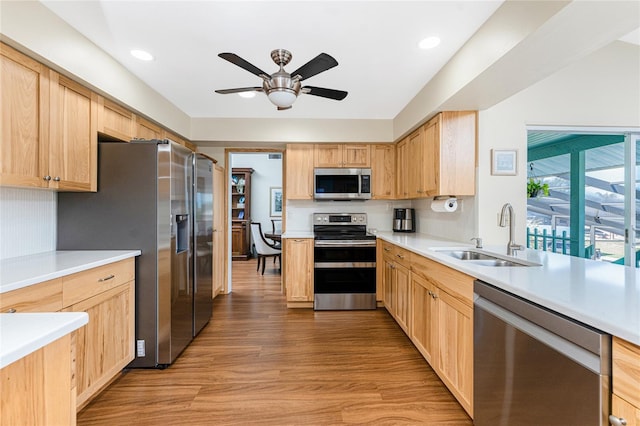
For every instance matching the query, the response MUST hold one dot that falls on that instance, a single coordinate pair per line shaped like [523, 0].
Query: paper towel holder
[444, 203]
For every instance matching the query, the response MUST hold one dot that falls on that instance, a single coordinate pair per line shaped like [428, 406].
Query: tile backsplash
[27, 221]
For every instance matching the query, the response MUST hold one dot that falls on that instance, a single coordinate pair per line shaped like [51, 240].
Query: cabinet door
[383, 163]
[328, 155]
[147, 130]
[299, 172]
[456, 152]
[454, 361]
[425, 318]
[73, 150]
[417, 166]
[24, 111]
[431, 158]
[626, 370]
[403, 298]
[356, 155]
[388, 285]
[114, 120]
[402, 169]
[237, 238]
[105, 345]
[623, 410]
[219, 264]
[298, 269]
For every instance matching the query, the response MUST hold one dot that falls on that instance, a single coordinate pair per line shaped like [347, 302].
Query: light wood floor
[259, 363]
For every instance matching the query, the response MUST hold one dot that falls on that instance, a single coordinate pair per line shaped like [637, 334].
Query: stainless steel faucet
[511, 245]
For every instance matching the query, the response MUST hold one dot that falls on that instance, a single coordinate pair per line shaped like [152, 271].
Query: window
[590, 210]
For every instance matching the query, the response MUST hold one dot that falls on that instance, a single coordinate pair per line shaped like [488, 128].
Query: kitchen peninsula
[46, 296]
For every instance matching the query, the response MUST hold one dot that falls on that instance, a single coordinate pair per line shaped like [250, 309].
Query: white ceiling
[375, 44]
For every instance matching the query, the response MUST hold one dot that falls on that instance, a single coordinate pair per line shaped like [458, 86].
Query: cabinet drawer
[396, 254]
[626, 370]
[42, 297]
[453, 282]
[86, 284]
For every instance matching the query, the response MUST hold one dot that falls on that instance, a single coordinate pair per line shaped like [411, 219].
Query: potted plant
[535, 188]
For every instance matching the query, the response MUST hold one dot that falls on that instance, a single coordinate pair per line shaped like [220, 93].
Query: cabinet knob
[11, 311]
[400, 256]
[110, 277]
[47, 178]
[617, 421]
[435, 296]
[56, 179]
[387, 249]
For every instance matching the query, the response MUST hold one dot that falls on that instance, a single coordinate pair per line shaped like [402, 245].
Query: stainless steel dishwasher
[533, 366]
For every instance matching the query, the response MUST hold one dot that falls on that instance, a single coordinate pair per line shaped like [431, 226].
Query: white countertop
[599, 294]
[298, 234]
[18, 272]
[22, 334]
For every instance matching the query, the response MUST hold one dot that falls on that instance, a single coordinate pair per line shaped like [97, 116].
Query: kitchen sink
[482, 258]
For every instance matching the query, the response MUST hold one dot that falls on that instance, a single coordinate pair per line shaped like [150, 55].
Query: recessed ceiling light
[247, 94]
[142, 55]
[429, 42]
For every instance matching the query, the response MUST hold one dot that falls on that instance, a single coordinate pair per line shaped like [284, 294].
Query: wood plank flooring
[258, 362]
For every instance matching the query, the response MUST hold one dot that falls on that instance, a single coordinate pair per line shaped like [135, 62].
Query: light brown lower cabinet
[297, 271]
[434, 306]
[39, 388]
[625, 402]
[106, 344]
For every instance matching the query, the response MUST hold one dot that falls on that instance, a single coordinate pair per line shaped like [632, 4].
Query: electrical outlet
[140, 348]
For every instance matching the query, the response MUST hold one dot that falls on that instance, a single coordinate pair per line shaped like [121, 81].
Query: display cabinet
[240, 212]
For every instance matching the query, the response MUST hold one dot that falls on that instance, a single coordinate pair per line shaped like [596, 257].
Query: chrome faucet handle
[478, 241]
[513, 247]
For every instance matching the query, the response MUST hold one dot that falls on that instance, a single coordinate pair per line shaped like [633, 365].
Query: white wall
[601, 90]
[267, 173]
[27, 221]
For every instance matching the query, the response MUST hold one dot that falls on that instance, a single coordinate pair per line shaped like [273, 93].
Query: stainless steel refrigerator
[144, 201]
[202, 241]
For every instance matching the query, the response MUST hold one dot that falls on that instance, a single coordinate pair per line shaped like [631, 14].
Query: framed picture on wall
[275, 201]
[504, 162]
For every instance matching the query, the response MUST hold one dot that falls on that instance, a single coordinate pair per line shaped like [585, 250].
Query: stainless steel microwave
[341, 184]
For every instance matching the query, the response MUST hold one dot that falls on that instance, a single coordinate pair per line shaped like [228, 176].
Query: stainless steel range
[345, 262]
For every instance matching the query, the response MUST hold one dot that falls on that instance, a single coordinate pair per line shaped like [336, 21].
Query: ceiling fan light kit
[282, 88]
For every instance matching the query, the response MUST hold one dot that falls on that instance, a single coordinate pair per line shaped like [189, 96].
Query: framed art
[275, 201]
[504, 162]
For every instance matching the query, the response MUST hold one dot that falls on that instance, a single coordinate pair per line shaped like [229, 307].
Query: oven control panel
[339, 218]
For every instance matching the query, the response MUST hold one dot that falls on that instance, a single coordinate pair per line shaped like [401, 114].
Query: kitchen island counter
[599, 294]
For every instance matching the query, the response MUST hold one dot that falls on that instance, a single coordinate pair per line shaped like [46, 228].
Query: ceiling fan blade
[237, 60]
[338, 95]
[239, 90]
[320, 63]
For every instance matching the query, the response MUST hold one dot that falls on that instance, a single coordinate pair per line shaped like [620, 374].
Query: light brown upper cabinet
[145, 129]
[115, 121]
[299, 172]
[383, 174]
[402, 169]
[438, 158]
[49, 127]
[342, 155]
[24, 111]
[450, 153]
[73, 138]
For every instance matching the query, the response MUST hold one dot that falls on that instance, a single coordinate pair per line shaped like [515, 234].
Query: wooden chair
[263, 248]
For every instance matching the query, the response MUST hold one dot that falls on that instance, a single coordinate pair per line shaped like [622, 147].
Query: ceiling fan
[283, 88]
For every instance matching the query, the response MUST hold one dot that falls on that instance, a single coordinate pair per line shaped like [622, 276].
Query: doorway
[254, 194]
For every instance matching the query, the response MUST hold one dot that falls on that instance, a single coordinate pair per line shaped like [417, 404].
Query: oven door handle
[351, 243]
[338, 265]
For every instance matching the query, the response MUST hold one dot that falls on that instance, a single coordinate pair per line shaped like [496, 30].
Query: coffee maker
[404, 220]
